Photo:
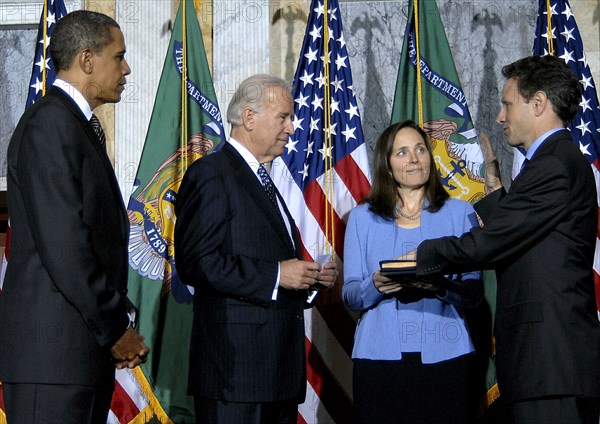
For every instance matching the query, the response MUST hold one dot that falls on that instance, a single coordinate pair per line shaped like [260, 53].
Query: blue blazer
[229, 239]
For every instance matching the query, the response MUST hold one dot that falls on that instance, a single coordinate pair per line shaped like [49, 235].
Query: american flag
[564, 41]
[322, 175]
[133, 400]
[42, 74]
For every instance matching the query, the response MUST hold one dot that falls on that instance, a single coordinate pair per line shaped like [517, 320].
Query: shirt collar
[74, 94]
[246, 155]
[537, 143]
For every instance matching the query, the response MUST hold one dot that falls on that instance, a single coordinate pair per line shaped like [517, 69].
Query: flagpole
[419, 89]
[184, 120]
[44, 46]
[328, 175]
[549, 18]
[152, 264]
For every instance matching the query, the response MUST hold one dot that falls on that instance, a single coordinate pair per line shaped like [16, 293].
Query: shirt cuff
[132, 315]
[276, 289]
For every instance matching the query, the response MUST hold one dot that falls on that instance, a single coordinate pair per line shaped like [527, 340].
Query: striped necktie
[98, 130]
[269, 187]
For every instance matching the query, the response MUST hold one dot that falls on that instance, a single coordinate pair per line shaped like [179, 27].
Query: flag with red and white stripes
[128, 399]
[133, 401]
[42, 73]
[564, 41]
[322, 175]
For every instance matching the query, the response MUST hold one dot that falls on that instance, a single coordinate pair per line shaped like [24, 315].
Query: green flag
[437, 102]
[181, 130]
[445, 114]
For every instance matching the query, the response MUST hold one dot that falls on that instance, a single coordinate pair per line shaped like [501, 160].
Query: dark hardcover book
[395, 267]
[404, 271]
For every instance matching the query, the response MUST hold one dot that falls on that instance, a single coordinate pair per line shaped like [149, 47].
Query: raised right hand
[492, 167]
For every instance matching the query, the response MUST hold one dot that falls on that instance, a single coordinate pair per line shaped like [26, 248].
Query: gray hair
[253, 93]
[78, 30]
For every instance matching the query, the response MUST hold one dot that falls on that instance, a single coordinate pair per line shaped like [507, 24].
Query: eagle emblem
[151, 213]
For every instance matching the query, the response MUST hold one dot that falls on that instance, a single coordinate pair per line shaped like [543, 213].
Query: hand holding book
[385, 284]
[402, 272]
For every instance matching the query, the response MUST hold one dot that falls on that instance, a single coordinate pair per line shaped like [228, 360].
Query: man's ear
[248, 119]
[540, 102]
[85, 61]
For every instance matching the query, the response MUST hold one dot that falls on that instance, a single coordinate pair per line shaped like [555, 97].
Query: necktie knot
[95, 122]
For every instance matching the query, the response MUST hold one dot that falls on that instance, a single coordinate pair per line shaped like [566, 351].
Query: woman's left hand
[384, 284]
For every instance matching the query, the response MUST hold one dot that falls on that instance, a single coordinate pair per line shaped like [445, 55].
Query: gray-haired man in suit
[237, 244]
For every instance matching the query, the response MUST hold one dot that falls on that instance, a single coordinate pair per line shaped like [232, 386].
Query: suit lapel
[248, 180]
[294, 231]
[91, 138]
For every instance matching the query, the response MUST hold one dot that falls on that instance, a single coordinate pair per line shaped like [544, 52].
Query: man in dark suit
[64, 322]
[237, 244]
[540, 239]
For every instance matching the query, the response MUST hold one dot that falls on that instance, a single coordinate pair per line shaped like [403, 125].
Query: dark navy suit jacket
[540, 239]
[229, 239]
[63, 305]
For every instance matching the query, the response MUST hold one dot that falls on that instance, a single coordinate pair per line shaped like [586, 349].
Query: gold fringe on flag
[153, 409]
[2, 415]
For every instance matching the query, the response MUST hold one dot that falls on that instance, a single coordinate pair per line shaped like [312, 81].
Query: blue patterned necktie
[95, 122]
[269, 187]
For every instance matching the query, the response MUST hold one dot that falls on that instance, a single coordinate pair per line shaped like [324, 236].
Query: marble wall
[15, 50]
[147, 36]
[484, 35]
[18, 33]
